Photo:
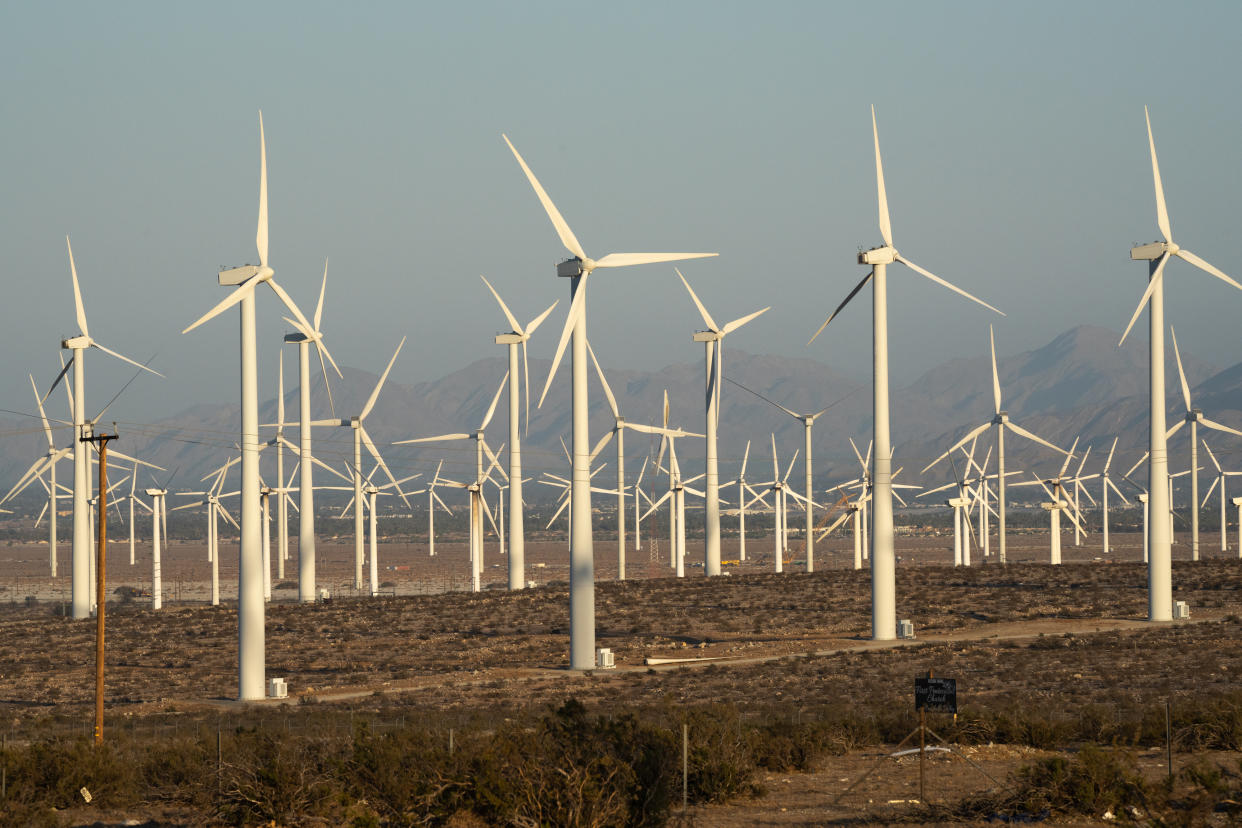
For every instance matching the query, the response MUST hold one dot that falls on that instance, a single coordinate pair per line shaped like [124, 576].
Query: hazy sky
[1013, 138]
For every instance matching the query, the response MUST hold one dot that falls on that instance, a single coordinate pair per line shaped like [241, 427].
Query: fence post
[1168, 735]
[450, 741]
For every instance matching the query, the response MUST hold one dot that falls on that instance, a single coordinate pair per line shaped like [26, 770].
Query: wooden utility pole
[100, 567]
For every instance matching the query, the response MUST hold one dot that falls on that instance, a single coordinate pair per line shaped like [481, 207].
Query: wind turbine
[1159, 529]
[361, 438]
[159, 527]
[582, 561]
[1221, 474]
[883, 558]
[1105, 483]
[215, 509]
[82, 530]
[477, 505]
[519, 336]
[370, 491]
[1060, 502]
[808, 426]
[432, 500]
[713, 343]
[1194, 416]
[620, 424]
[1001, 420]
[47, 463]
[779, 487]
[251, 660]
[306, 479]
[964, 484]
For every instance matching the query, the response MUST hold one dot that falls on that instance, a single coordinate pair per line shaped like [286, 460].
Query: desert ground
[1031, 646]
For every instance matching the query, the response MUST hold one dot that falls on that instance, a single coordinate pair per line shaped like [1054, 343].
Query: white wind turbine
[478, 505]
[432, 500]
[215, 510]
[1079, 529]
[159, 529]
[251, 660]
[1000, 419]
[82, 489]
[883, 558]
[1060, 502]
[582, 560]
[361, 438]
[306, 480]
[713, 343]
[1221, 474]
[808, 426]
[779, 486]
[519, 336]
[966, 496]
[620, 424]
[1105, 482]
[1159, 529]
[1195, 417]
[48, 463]
[370, 491]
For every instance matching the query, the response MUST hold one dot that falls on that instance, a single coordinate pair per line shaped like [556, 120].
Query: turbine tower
[519, 336]
[808, 426]
[713, 343]
[1159, 526]
[306, 479]
[883, 556]
[251, 661]
[582, 559]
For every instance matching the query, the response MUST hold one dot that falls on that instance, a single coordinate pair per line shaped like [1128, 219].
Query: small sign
[936, 695]
[85, 794]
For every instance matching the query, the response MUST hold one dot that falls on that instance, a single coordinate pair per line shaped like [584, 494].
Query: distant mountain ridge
[1079, 384]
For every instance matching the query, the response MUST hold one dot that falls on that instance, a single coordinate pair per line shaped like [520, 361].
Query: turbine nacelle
[1001, 418]
[575, 267]
[238, 275]
[510, 339]
[707, 336]
[878, 255]
[77, 343]
[1151, 252]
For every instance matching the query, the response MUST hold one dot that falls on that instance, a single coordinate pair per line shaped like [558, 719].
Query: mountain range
[1081, 384]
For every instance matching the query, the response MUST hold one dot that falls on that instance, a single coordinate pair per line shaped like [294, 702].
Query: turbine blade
[458, 436]
[503, 307]
[707, 317]
[77, 292]
[113, 353]
[1205, 267]
[833, 315]
[491, 411]
[996, 389]
[64, 369]
[366, 409]
[1218, 427]
[627, 259]
[575, 310]
[1151, 286]
[534, 324]
[558, 221]
[288, 301]
[612, 401]
[1068, 456]
[260, 238]
[1181, 374]
[1176, 428]
[603, 441]
[1162, 212]
[886, 228]
[943, 283]
[323, 288]
[745, 457]
[1212, 456]
[229, 301]
[1211, 488]
[971, 435]
[765, 399]
[1109, 461]
[366, 441]
[1017, 429]
[737, 323]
